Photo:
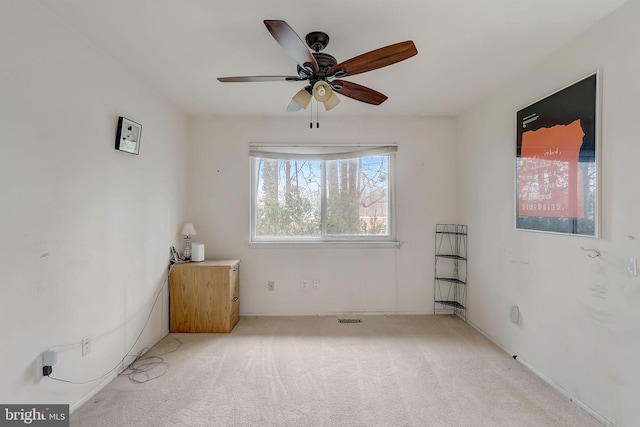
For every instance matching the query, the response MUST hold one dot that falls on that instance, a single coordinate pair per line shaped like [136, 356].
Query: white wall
[580, 326]
[360, 280]
[85, 229]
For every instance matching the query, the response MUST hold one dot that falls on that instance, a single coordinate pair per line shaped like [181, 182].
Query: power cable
[122, 361]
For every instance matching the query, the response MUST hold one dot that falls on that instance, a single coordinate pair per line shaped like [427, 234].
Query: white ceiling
[466, 48]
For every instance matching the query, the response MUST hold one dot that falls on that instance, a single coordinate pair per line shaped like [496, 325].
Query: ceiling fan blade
[375, 59]
[293, 106]
[292, 44]
[245, 79]
[358, 92]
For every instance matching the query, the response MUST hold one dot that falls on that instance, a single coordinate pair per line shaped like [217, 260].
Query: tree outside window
[322, 199]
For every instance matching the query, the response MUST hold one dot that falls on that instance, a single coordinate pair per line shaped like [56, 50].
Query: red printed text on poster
[550, 183]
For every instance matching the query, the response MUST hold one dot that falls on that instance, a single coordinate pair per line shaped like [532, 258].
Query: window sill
[335, 244]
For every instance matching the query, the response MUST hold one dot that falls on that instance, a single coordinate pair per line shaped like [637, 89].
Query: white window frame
[323, 152]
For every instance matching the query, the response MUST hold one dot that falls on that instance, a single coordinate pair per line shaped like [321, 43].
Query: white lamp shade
[188, 230]
[331, 102]
[302, 98]
[322, 91]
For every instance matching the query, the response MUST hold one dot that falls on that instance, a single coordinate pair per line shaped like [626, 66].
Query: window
[322, 193]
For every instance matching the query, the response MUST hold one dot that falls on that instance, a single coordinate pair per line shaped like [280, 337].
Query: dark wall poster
[556, 161]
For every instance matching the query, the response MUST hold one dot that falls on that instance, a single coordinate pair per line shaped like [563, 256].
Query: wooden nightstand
[205, 296]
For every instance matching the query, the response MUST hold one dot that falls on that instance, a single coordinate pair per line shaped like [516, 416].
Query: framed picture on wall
[557, 161]
[128, 136]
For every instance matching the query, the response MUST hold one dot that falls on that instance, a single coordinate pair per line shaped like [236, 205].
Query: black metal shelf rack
[450, 288]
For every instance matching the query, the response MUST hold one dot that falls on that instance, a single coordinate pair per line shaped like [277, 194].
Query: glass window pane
[358, 196]
[288, 195]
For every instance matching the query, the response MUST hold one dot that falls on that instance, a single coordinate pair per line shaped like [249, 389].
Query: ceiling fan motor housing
[325, 62]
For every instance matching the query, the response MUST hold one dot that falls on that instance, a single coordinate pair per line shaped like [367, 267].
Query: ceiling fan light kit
[302, 98]
[322, 91]
[332, 102]
[321, 69]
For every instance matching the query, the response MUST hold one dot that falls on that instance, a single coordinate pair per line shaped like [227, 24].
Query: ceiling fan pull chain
[311, 115]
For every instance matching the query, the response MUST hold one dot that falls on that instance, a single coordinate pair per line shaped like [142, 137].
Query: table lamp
[187, 231]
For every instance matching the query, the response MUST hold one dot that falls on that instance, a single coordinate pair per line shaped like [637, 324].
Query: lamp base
[186, 253]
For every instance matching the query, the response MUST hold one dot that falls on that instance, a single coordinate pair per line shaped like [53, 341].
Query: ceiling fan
[323, 72]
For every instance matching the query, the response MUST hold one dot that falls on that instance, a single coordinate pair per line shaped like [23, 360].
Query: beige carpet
[314, 371]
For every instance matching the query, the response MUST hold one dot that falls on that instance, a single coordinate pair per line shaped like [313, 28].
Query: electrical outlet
[304, 284]
[271, 285]
[316, 283]
[86, 346]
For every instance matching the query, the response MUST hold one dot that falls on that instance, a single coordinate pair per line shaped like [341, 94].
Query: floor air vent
[350, 320]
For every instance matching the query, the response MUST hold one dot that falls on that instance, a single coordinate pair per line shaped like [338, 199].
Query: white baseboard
[337, 313]
[92, 393]
[548, 380]
[109, 378]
